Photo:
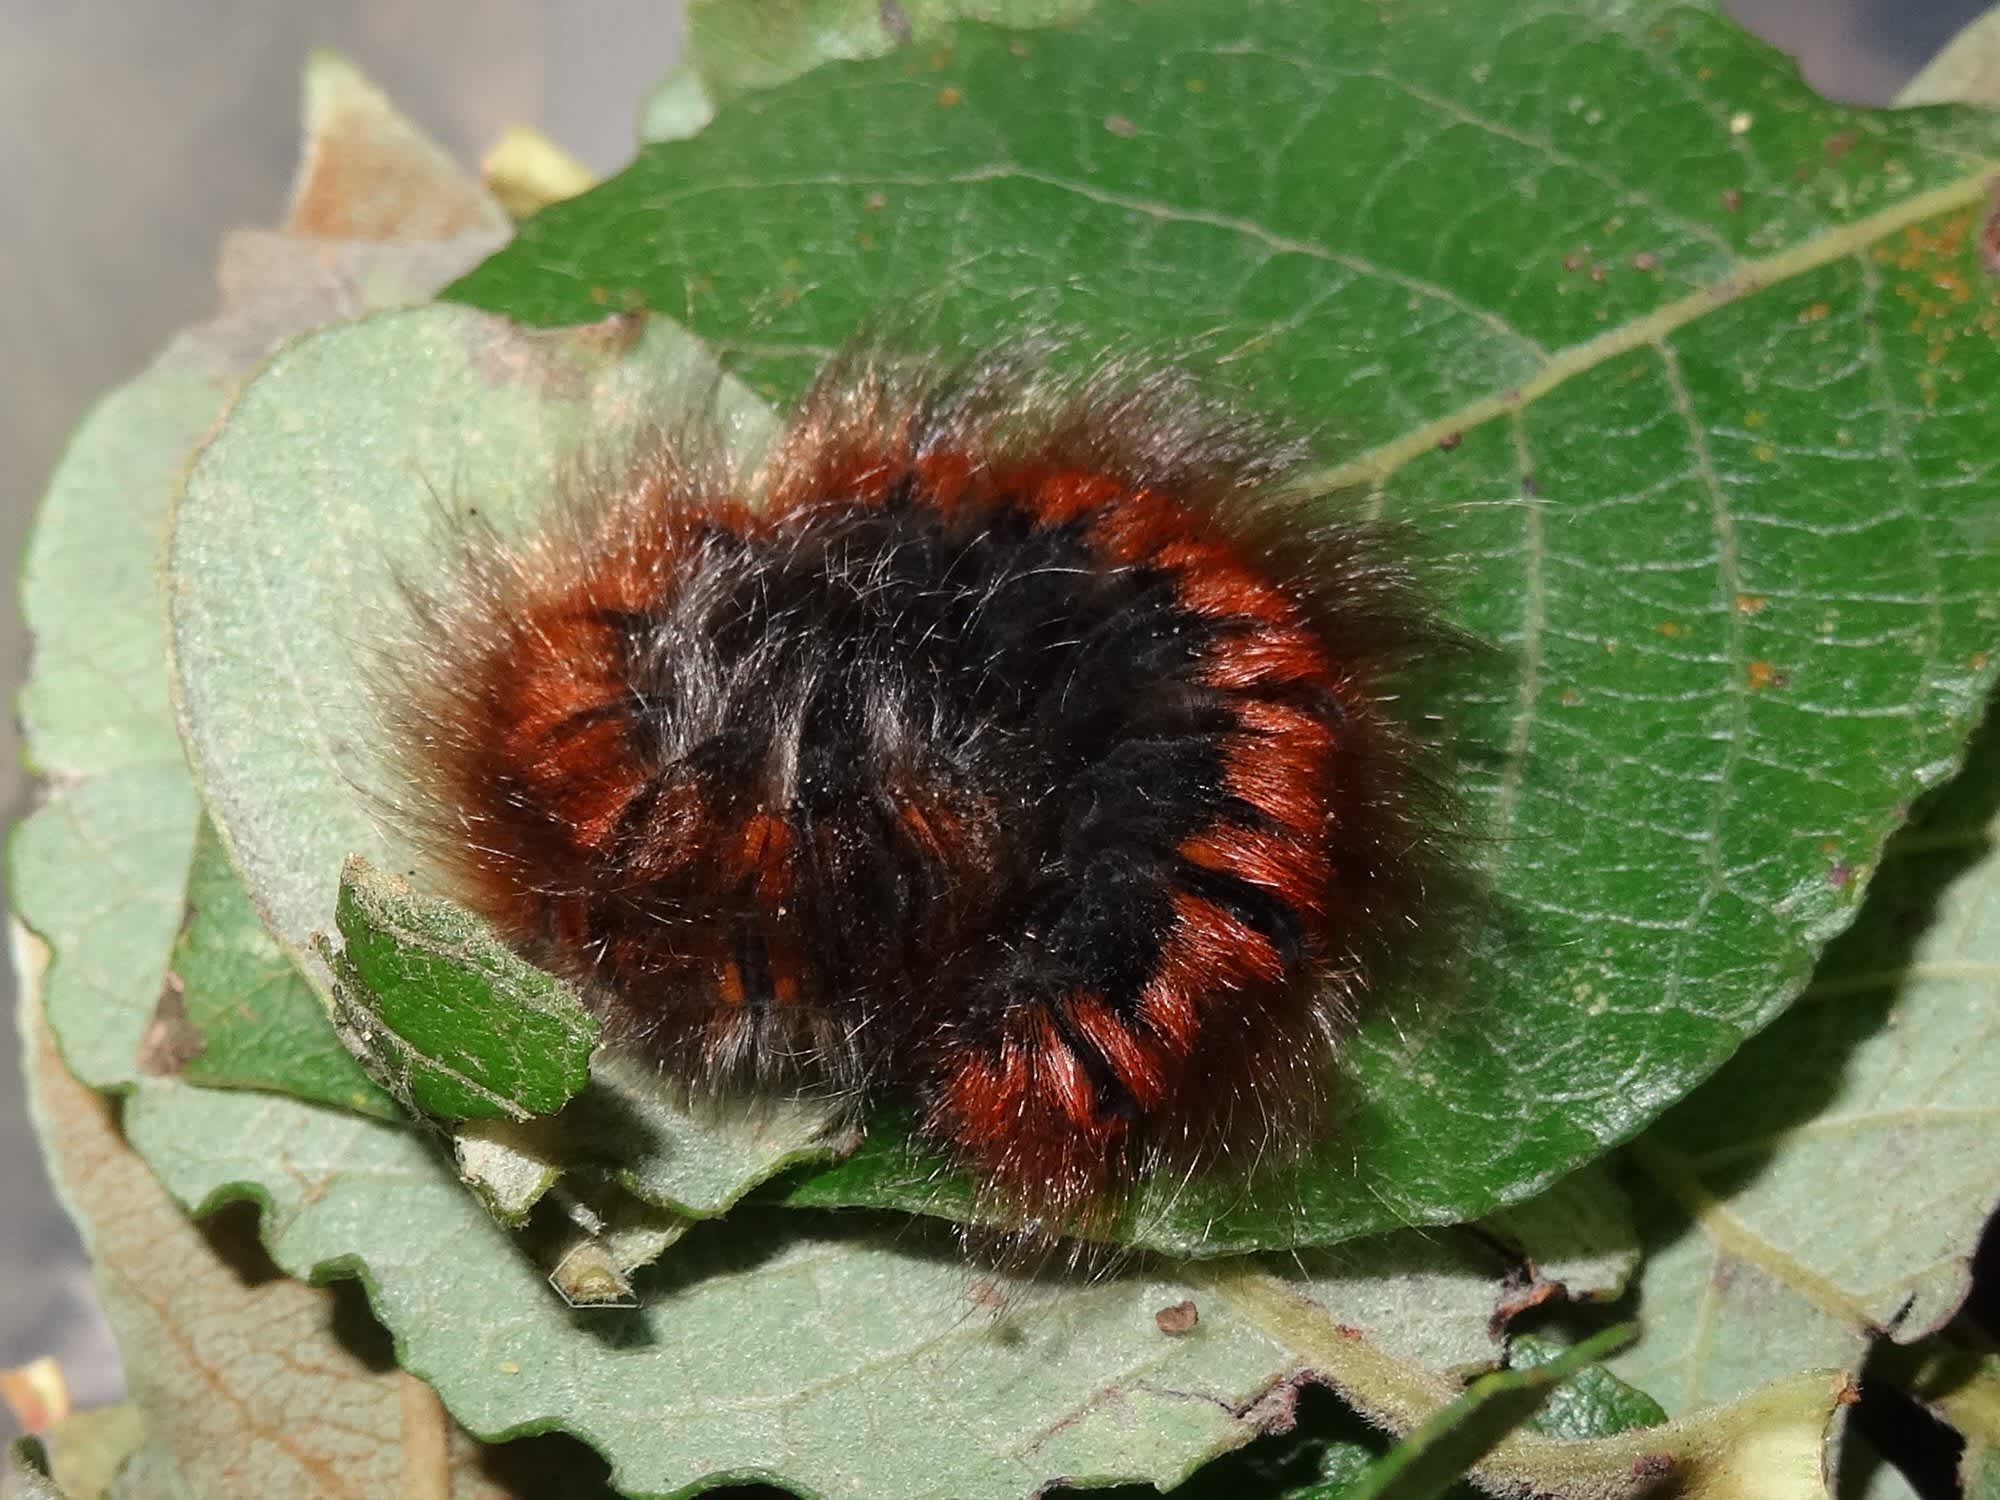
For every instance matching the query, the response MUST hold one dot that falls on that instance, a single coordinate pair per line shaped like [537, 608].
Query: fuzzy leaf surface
[1886, 1074]
[252, 1383]
[864, 1357]
[285, 604]
[732, 50]
[375, 411]
[99, 869]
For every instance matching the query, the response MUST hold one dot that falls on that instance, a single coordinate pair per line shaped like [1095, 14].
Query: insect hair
[1013, 737]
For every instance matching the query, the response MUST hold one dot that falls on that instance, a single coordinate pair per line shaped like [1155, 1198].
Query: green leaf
[858, 1358]
[695, 1160]
[1679, 365]
[451, 1021]
[98, 871]
[1577, 1240]
[380, 412]
[735, 49]
[1426, 1463]
[283, 602]
[250, 1382]
[1591, 1402]
[1887, 1073]
[1961, 1388]
[253, 1021]
[840, 1353]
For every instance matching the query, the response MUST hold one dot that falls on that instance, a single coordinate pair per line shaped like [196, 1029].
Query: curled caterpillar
[1006, 742]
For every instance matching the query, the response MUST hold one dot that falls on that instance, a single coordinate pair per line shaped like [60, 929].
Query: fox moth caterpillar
[1022, 745]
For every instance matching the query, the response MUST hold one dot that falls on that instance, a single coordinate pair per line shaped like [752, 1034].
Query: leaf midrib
[1730, 1235]
[1369, 469]
[1747, 279]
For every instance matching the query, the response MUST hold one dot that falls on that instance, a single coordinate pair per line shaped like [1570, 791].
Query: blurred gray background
[134, 133]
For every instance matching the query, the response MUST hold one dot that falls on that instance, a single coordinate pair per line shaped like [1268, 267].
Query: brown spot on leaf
[1177, 1319]
[1732, 200]
[367, 173]
[1762, 674]
[1521, 1293]
[895, 20]
[1450, 441]
[171, 1039]
[1838, 145]
[1928, 244]
[1645, 260]
[950, 98]
[1120, 126]
[1652, 1465]
[1989, 232]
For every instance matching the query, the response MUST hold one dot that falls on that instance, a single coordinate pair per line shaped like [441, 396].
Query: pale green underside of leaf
[283, 604]
[695, 1160]
[734, 49]
[1966, 70]
[1831, 1182]
[98, 871]
[855, 1365]
[865, 1357]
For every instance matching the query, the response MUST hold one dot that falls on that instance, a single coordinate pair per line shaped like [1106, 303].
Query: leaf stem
[1769, 1437]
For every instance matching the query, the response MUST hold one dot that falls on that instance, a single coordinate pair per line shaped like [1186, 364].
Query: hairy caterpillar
[1003, 741]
